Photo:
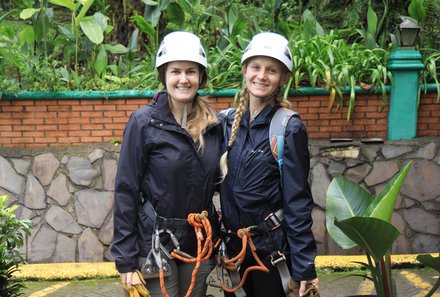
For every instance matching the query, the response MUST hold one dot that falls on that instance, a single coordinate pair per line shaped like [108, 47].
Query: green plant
[434, 263]
[12, 231]
[356, 218]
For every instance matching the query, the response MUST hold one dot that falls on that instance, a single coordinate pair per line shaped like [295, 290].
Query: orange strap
[234, 263]
[200, 223]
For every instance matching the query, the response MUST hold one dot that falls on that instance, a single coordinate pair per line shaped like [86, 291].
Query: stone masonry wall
[68, 193]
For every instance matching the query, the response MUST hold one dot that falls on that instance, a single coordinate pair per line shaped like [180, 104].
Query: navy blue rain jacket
[159, 159]
[253, 188]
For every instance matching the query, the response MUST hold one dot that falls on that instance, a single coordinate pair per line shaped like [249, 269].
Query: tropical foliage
[12, 231]
[83, 44]
[356, 218]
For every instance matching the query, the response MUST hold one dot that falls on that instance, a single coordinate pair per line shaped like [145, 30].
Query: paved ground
[410, 283]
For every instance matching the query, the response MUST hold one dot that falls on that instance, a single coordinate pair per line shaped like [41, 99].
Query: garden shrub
[12, 232]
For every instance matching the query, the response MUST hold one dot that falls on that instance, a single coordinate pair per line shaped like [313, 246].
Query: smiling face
[263, 76]
[182, 80]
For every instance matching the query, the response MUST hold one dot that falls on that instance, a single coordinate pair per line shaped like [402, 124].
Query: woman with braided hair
[273, 201]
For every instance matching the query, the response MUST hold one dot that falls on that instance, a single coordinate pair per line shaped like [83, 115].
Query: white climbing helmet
[270, 45]
[181, 46]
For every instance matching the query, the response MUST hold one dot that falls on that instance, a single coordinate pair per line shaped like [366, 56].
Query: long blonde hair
[201, 117]
[242, 107]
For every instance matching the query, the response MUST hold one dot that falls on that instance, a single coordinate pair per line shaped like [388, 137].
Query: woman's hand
[303, 285]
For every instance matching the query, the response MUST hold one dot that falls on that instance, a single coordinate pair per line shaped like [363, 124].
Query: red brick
[5, 128]
[10, 134]
[56, 121]
[45, 115]
[102, 133]
[59, 108]
[47, 127]
[82, 108]
[56, 133]
[69, 102]
[23, 128]
[33, 121]
[79, 133]
[91, 114]
[69, 114]
[46, 139]
[68, 139]
[103, 120]
[91, 139]
[112, 114]
[35, 108]
[92, 127]
[5, 115]
[23, 140]
[33, 134]
[120, 120]
[10, 122]
[104, 107]
[79, 120]
[12, 108]
[70, 127]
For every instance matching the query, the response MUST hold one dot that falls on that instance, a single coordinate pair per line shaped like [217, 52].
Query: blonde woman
[255, 191]
[168, 168]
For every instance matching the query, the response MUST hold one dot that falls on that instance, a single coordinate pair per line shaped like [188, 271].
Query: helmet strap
[184, 116]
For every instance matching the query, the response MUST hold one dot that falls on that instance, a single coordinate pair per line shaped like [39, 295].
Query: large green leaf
[430, 261]
[371, 20]
[345, 199]
[28, 12]
[144, 25]
[116, 49]
[417, 11]
[82, 13]
[101, 61]
[70, 4]
[385, 207]
[373, 235]
[175, 14]
[92, 29]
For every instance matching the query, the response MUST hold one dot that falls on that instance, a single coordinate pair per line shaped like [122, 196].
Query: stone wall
[68, 193]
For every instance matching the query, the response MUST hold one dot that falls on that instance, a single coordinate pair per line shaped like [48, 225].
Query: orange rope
[200, 223]
[234, 263]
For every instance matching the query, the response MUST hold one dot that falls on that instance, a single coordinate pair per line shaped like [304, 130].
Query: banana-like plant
[356, 218]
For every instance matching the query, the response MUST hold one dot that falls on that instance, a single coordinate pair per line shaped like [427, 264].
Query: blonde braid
[244, 98]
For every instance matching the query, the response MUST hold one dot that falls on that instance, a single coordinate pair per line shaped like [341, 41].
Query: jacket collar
[264, 117]
[163, 112]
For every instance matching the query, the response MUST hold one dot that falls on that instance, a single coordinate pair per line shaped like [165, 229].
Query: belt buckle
[274, 220]
[274, 261]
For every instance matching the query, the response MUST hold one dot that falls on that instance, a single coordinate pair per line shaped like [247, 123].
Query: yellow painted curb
[66, 271]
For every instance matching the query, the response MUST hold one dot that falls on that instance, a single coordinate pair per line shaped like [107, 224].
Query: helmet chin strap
[184, 116]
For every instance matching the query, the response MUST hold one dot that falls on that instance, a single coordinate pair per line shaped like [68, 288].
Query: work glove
[137, 288]
[311, 290]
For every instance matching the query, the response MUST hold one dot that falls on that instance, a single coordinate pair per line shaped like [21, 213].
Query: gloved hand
[311, 290]
[137, 287]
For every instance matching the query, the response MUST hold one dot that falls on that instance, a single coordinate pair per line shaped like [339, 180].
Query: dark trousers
[259, 283]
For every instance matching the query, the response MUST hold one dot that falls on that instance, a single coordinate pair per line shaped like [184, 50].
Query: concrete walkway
[101, 279]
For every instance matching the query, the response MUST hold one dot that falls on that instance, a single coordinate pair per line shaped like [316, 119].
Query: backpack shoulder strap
[277, 130]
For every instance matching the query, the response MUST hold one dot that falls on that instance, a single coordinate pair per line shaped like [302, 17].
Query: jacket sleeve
[132, 158]
[298, 201]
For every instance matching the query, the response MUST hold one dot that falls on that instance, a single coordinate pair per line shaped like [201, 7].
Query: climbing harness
[156, 265]
[232, 265]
